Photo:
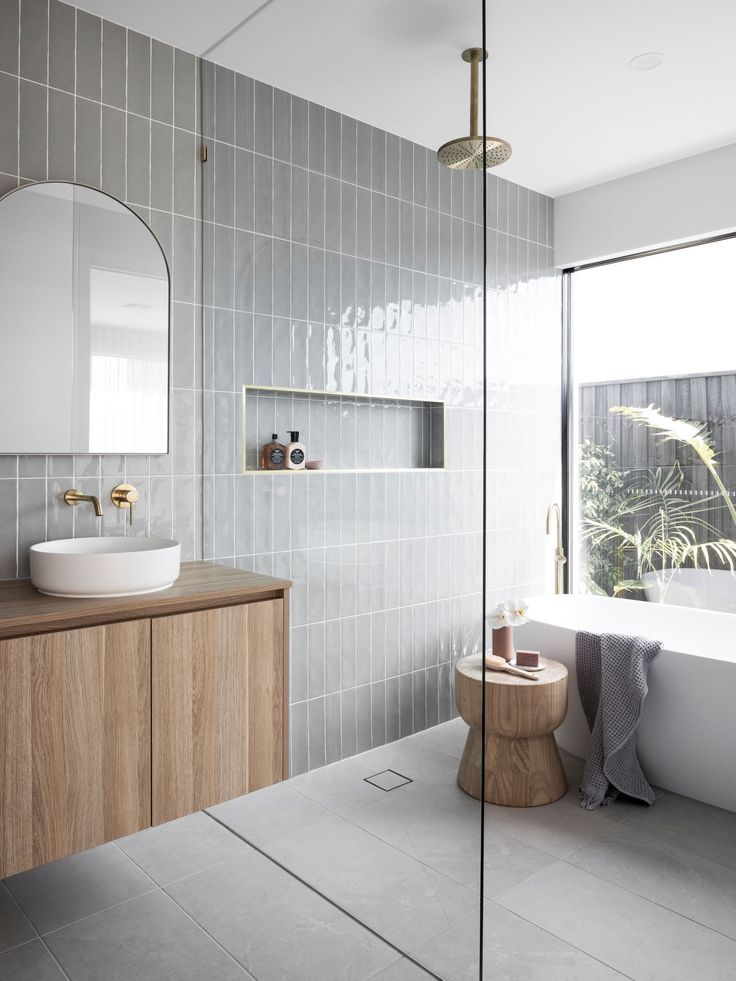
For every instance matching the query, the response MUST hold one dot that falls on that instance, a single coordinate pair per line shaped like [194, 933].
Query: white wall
[677, 202]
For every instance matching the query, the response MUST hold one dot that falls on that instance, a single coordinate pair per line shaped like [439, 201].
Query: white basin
[88, 567]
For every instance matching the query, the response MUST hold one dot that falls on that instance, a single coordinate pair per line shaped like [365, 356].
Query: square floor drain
[388, 780]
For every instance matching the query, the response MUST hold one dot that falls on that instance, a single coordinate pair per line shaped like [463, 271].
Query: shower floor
[329, 877]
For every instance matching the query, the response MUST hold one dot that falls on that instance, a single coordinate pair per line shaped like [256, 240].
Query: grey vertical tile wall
[84, 99]
[342, 258]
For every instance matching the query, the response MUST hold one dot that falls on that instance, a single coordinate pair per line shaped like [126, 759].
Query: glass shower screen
[344, 393]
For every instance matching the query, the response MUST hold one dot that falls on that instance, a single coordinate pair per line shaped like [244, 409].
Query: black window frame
[567, 401]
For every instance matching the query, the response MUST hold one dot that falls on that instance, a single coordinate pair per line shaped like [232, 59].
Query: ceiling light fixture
[647, 61]
[467, 153]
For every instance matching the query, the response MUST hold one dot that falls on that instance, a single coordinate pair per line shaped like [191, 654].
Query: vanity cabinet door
[74, 741]
[219, 705]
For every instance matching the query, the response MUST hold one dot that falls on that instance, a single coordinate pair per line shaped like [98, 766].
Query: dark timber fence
[710, 399]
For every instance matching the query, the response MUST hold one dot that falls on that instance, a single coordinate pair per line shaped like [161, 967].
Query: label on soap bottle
[276, 456]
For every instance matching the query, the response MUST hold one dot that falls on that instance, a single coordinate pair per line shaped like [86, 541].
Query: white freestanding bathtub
[706, 589]
[687, 735]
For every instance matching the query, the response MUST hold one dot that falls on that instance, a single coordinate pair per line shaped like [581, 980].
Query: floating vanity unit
[121, 713]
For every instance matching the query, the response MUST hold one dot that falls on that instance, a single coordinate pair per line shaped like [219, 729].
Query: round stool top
[472, 669]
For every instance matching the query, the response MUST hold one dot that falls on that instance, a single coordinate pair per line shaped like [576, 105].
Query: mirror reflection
[85, 356]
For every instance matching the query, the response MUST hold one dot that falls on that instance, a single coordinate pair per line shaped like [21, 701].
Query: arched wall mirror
[84, 325]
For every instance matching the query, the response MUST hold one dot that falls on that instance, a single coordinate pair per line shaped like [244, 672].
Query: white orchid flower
[498, 618]
[517, 612]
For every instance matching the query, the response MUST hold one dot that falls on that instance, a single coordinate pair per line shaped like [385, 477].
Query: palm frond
[693, 434]
[628, 584]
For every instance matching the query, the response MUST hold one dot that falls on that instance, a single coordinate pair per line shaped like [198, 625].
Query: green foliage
[601, 484]
[637, 522]
[656, 528]
[601, 480]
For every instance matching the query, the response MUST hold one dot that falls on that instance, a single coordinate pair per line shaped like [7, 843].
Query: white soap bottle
[295, 453]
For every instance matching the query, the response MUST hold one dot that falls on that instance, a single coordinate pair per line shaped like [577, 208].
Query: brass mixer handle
[124, 496]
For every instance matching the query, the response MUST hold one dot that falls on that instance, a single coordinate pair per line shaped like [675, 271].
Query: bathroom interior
[367, 490]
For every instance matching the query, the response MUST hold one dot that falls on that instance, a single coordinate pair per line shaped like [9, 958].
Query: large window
[653, 421]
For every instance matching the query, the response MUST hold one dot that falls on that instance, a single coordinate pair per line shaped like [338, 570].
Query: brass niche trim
[436, 403]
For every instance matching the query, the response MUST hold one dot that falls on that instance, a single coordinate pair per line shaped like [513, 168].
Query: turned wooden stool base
[519, 772]
[523, 766]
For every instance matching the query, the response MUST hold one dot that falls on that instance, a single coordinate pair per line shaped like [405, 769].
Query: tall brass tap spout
[560, 557]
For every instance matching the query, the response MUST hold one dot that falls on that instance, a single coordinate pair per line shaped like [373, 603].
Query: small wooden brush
[496, 663]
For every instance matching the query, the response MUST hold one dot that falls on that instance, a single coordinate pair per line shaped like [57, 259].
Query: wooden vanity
[118, 714]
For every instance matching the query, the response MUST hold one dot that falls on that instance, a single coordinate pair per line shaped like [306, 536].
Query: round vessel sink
[88, 567]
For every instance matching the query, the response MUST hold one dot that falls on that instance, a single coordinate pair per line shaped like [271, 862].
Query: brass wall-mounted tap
[560, 558]
[124, 496]
[74, 497]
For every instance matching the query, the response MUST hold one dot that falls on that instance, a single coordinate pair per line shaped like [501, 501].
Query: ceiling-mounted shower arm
[474, 55]
[474, 152]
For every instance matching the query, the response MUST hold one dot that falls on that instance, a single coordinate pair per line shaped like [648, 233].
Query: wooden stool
[523, 766]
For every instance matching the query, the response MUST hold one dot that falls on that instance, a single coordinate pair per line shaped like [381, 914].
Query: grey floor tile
[433, 775]
[402, 970]
[632, 935]
[412, 757]
[387, 780]
[277, 927]
[664, 873]
[395, 895]
[31, 962]
[64, 891]
[340, 787]
[14, 926]
[446, 837]
[182, 847]
[146, 939]
[267, 814]
[558, 828]
[699, 828]
[617, 810]
[449, 737]
[513, 950]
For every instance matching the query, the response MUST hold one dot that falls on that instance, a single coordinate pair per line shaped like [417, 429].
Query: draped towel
[612, 681]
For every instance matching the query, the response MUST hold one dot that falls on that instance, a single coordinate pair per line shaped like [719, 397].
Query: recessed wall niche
[345, 431]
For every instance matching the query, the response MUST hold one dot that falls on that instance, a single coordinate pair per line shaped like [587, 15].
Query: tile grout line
[346, 817]
[610, 828]
[319, 893]
[162, 890]
[565, 861]
[55, 959]
[39, 936]
[105, 909]
[652, 902]
[23, 913]
[566, 942]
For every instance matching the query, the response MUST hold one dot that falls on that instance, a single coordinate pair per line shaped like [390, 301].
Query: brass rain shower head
[468, 152]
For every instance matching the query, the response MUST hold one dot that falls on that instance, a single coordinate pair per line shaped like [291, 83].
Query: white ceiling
[189, 24]
[560, 89]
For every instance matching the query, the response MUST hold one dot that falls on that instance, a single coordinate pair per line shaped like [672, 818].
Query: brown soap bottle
[273, 454]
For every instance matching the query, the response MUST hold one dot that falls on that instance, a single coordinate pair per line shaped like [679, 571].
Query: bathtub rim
[710, 634]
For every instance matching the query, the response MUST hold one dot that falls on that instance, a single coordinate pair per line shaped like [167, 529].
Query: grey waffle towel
[612, 681]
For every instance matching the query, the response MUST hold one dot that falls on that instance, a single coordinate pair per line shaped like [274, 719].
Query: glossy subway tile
[352, 209]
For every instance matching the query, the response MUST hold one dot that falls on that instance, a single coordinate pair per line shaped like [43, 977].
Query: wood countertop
[25, 612]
